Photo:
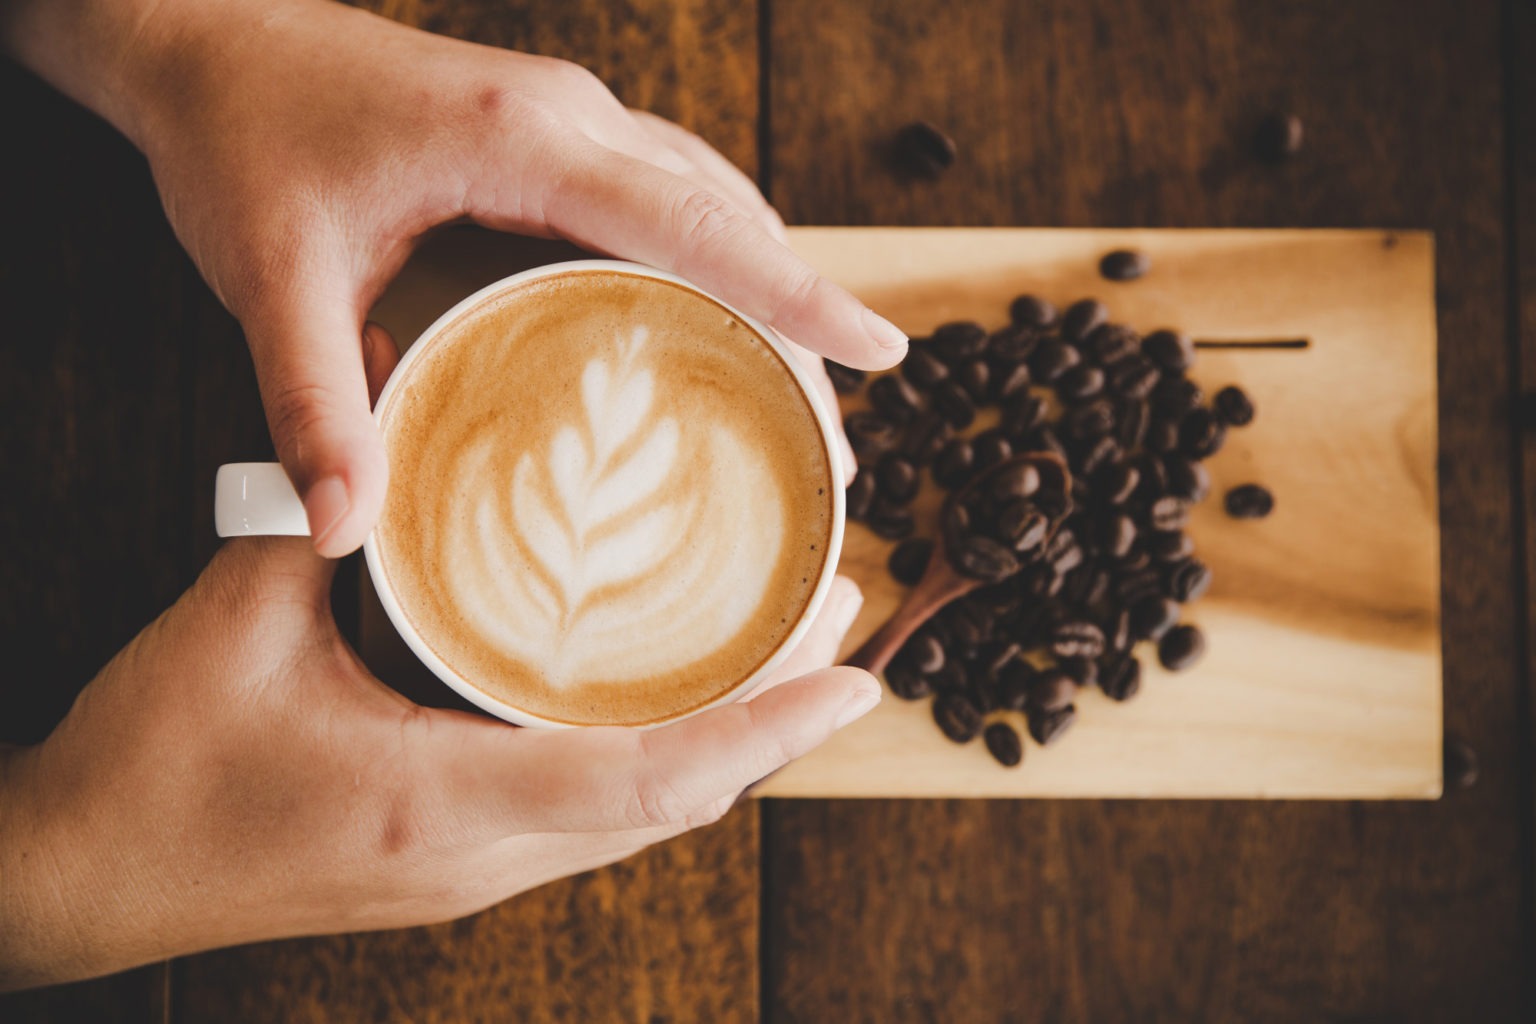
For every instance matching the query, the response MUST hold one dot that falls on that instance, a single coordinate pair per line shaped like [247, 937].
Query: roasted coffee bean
[1134, 377]
[1091, 421]
[1074, 589]
[1120, 679]
[1058, 544]
[1172, 351]
[845, 379]
[923, 369]
[950, 678]
[1153, 478]
[997, 656]
[1250, 501]
[1133, 584]
[1082, 317]
[1201, 434]
[1118, 636]
[1019, 480]
[1162, 435]
[982, 558]
[1043, 439]
[990, 448]
[1187, 478]
[954, 464]
[859, 495]
[1077, 639]
[1459, 766]
[909, 560]
[1097, 596]
[1170, 546]
[871, 436]
[1032, 311]
[1003, 744]
[925, 437]
[1278, 137]
[1024, 525]
[1052, 690]
[957, 521]
[1082, 671]
[1134, 418]
[1168, 513]
[896, 477]
[1081, 382]
[1012, 344]
[1008, 381]
[1135, 562]
[958, 341]
[1048, 726]
[1021, 415]
[1181, 647]
[906, 682]
[1234, 406]
[1013, 684]
[982, 693]
[923, 652]
[957, 716]
[890, 519]
[1175, 396]
[1152, 616]
[1103, 452]
[974, 376]
[1110, 343]
[1115, 483]
[1188, 581]
[1069, 559]
[1051, 359]
[1117, 535]
[1124, 264]
[894, 398]
[922, 150]
[953, 402]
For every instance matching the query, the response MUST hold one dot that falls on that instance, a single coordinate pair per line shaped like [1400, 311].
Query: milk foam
[609, 500]
[595, 560]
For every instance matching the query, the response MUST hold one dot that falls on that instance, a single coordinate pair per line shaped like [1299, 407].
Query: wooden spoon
[942, 582]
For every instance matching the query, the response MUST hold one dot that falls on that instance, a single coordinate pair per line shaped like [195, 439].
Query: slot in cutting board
[1323, 672]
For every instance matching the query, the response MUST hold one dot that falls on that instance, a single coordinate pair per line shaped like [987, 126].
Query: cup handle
[253, 499]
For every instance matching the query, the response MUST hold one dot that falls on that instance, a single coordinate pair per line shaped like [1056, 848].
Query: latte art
[609, 499]
[599, 541]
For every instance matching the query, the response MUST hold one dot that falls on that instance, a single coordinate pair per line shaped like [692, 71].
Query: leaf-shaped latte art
[630, 545]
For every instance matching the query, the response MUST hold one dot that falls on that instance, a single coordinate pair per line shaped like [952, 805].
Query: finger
[819, 646]
[309, 362]
[731, 179]
[634, 209]
[605, 779]
[380, 355]
[818, 371]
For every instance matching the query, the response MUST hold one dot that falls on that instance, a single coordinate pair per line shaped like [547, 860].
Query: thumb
[611, 779]
[310, 366]
[283, 568]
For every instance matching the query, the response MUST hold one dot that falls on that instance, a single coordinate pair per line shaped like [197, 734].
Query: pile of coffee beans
[1064, 602]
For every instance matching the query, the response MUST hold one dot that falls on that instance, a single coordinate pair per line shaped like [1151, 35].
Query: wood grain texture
[92, 397]
[1322, 677]
[670, 934]
[1122, 114]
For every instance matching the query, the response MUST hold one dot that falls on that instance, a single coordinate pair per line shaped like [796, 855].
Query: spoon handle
[935, 590]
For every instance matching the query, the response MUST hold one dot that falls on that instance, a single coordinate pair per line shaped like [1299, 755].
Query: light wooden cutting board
[1322, 676]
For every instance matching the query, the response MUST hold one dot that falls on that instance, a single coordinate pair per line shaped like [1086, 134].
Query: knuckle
[570, 76]
[296, 410]
[703, 221]
[654, 800]
[796, 289]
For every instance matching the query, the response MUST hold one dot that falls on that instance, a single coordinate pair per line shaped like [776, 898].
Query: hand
[236, 774]
[302, 149]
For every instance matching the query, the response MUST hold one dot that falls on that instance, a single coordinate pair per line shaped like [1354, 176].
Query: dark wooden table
[123, 384]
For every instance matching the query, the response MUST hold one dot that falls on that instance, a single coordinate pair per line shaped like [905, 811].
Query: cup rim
[776, 342]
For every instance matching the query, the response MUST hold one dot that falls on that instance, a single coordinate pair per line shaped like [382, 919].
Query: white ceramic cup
[257, 499]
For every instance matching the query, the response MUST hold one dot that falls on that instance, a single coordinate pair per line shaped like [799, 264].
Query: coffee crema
[609, 500]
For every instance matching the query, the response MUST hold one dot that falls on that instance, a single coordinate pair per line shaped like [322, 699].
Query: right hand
[236, 774]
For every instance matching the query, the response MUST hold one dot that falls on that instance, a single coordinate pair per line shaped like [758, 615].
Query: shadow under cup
[613, 500]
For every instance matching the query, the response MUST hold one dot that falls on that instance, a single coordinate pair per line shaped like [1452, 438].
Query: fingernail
[886, 334]
[847, 610]
[859, 705]
[325, 505]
